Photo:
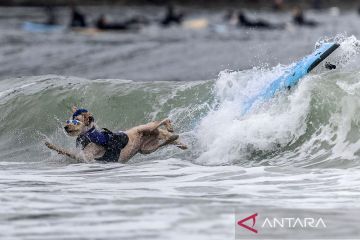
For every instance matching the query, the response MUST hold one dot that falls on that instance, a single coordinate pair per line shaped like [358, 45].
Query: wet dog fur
[144, 139]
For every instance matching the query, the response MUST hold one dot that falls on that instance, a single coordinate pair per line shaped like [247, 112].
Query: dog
[104, 145]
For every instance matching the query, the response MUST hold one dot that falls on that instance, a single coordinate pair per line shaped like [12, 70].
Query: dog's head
[82, 120]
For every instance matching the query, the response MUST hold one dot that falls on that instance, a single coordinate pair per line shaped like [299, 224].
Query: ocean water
[300, 150]
[154, 53]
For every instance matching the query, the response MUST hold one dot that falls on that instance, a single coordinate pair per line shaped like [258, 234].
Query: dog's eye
[68, 122]
[76, 122]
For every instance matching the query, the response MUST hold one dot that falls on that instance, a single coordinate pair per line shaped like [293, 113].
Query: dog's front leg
[64, 152]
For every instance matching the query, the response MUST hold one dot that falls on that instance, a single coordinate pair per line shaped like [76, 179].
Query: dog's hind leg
[164, 135]
[150, 128]
[180, 145]
[154, 144]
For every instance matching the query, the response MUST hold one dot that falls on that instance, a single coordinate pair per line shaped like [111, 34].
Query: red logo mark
[253, 217]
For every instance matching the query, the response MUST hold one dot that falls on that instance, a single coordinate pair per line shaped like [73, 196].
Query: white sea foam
[226, 137]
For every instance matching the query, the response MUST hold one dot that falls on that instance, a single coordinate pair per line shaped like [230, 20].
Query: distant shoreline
[263, 4]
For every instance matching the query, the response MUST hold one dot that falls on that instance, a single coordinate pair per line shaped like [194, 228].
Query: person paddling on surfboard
[243, 21]
[172, 17]
[77, 18]
[299, 18]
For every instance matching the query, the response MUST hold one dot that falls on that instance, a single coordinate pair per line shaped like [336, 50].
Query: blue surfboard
[41, 27]
[292, 75]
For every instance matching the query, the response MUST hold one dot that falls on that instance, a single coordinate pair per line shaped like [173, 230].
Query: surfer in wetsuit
[299, 18]
[77, 18]
[243, 21]
[171, 17]
[132, 23]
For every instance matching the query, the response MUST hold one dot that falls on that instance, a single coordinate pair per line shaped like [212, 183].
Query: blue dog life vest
[112, 142]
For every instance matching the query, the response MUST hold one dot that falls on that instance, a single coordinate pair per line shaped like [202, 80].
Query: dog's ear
[91, 119]
[73, 109]
[88, 118]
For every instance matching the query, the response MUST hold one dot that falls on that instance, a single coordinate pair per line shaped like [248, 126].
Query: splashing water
[288, 125]
[300, 149]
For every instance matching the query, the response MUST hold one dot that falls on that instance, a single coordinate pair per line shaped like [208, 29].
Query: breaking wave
[316, 124]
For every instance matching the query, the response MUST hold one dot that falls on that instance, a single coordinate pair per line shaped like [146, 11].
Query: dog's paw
[182, 146]
[172, 138]
[49, 145]
[168, 125]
